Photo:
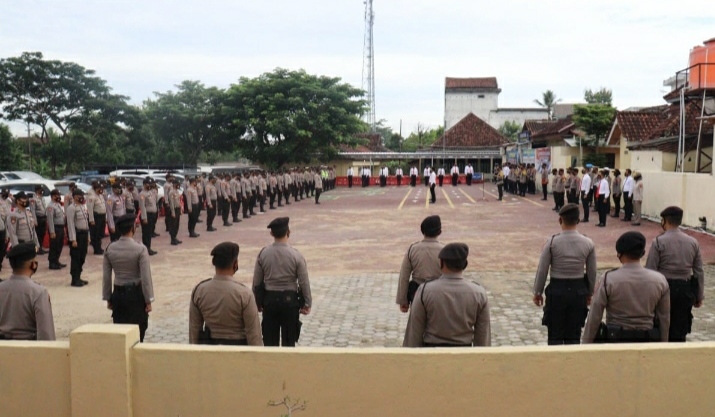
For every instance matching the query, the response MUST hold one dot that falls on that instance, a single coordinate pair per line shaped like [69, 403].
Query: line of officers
[222, 310]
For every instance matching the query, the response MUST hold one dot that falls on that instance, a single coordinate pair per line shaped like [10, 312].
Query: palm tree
[548, 100]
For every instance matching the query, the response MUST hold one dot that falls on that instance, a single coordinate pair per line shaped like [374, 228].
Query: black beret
[279, 223]
[127, 218]
[20, 195]
[569, 209]
[225, 251]
[116, 184]
[672, 211]
[630, 242]
[147, 181]
[39, 188]
[454, 251]
[23, 252]
[431, 225]
[55, 192]
[77, 191]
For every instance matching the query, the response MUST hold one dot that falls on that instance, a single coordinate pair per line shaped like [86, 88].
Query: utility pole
[29, 144]
[368, 66]
[400, 135]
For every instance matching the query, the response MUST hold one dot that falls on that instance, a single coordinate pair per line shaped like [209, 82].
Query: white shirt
[603, 189]
[455, 170]
[440, 171]
[468, 170]
[350, 172]
[368, 172]
[398, 172]
[586, 184]
[433, 178]
[506, 171]
[413, 171]
[385, 171]
[426, 172]
[628, 185]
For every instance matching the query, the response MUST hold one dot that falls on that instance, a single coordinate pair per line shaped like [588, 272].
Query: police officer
[449, 311]
[25, 309]
[223, 311]
[636, 298]
[116, 208]
[133, 292]
[281, 286]
[421, 262]
[174, 198]
[211, 203]
[569, 292]
[21, 223]
[56, 227]
[77, 235]
[677, 256]
[149, 208]
[318, 185]
[191, 196]
[131, 198]
[4, 212]
[39, 210]
[97, 210]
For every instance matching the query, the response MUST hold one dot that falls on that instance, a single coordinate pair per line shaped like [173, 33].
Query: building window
[481, 96]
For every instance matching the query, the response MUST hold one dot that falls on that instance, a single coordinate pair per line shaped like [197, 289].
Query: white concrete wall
[498, 117]
[459, 104]
[691, 192]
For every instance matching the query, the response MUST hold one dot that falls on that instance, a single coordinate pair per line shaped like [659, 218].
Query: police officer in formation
[564, 258]
[637, 300]
[449, 311]
[4, 213]
[39, 211]
[77, 235]
[21, 222]
[116, 208]
[25, 309]
[677, 256]
[211, 203]
[56, 227]
[421, 262]
[149, 208]
[97, 211]
[281, 287]
[131, 295]
[223, 311]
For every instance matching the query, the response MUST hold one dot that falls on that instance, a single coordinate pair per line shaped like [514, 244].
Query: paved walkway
[359, 311]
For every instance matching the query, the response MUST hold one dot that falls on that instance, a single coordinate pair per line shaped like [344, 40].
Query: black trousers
[413, 180]
[235, 207]
[286, 194]
[426, 181]
[469, 179]
[97, 231]
[617, 205]
[129, 307]
[682, 299]
[455, 179]
[262, 201]
[41, 229]
[147, 230]
[432, 194]
[56, 244]
[317, 194]
[225, 206]
[280, 198]
[522, 189]
[280, 318]
[440, 178]
[167, 217]
[584, 201]
[193, 218]
[565, 310]
[603, 206]
[383, 181]
[350, 181]
[559, 199]
[219, 207]
[271, 199]
[500, 189]
[245, 207]
[174, 223]
[627, 207]
[3, 247]
[153, 218]
[545, 190]
[78, 254]
[210, 215]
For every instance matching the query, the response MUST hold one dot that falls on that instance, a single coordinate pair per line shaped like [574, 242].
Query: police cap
[431, 225]
[454, 252]
[672, 211]
[224, 253]
[147, 180]
[23, 252]
[20, 195]
[123, 220]
[55, 192]
[631, 242]
[77, 191]
[279, 223]
[569, 209]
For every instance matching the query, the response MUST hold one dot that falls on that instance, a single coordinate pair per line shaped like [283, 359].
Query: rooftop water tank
[703, 76]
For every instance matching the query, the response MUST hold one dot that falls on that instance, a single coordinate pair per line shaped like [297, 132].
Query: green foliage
[290, 116]
[10, 151]
[602, 96]
[510, 129]
[595, 120]
[548, 99]
[422, 137]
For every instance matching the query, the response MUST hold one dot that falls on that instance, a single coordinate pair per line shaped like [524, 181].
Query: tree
[602, 96]
[595, 120]
[510, 129]
[422, 137]
[548, 100]
[191, 120]
[293, 116]
[11, 154]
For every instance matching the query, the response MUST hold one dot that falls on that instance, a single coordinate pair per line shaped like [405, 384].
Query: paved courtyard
[354, 243]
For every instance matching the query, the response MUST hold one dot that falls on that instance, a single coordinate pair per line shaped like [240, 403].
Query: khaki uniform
[77, 231]
[421, 263]
[229, 310]
[449, 311]
[25, 310]
[21, 227]
[633, 296]
[115, 208]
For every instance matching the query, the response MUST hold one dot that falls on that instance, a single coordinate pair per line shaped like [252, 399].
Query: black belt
[81, 230]
[131, 287]
[41, 218]
[449, 345]
[229, 342]
[676, 282]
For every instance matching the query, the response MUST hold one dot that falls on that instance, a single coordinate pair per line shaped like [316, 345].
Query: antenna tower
[368, 66]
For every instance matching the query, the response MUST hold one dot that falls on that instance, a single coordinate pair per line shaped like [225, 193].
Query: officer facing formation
[133, 292]
[281, 287]
[78, 236]
[449, 311]
[116, 208]
[25, 309]
[637, 300]
[421, 262]
[223, 311]
[568, 294]
[97, 211]
[677, 256]
[21, 223]
[4, 212]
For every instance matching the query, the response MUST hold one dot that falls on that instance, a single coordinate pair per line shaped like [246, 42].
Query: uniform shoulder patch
[13, 219]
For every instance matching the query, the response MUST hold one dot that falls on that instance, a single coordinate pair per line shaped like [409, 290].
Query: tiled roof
[374, 144]
[536, 126]
[637, 126]
[563, 110]
[486, 82]
[471, 132]
[670, 124]
[561, 126]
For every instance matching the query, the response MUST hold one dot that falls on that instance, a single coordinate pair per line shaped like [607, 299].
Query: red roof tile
[374, 144]
[670, 124]
[471, 132]
[536, 126]
[557, 128]
[637, 126]
[486, 82]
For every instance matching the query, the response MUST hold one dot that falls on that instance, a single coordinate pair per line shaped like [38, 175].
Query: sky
[144, 46]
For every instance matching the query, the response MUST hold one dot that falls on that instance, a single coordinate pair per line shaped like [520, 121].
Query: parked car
[86, 178]
[8, 176]
[28, 175]
[28, 186]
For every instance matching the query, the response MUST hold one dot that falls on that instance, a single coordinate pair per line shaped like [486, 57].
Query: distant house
[632, 127]
[478, 143]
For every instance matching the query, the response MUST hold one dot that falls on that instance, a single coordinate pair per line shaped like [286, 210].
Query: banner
[511, 156]
[528, 156]
[543, 156]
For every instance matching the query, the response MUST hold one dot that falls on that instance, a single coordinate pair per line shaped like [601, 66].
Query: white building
[481, 97]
